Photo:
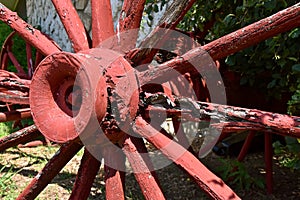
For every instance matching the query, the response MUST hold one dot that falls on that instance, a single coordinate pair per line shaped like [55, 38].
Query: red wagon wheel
[8, 54]
[95, 97]
[15, 81]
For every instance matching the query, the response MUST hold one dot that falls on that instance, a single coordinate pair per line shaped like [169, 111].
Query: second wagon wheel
[95, 96]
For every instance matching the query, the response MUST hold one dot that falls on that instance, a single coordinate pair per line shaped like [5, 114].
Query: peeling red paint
[72, 23]
[112, 91]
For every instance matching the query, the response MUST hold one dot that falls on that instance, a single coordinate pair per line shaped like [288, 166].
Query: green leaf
[155, 8]
[272, 84]
[244, 80]
[270, 5]
[293, 59]
[230, 60]
[295, 33]
[296, 68]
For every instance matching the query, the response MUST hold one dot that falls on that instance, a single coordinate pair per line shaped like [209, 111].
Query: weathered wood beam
[129, 23]
[13, 115]
[21, 136]
[232, 119]
[54, 166]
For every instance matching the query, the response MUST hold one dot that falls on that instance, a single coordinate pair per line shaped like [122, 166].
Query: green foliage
[152, 7]
[5, 128]
[289, 154]
[19, 46]
[236, 173]
[272, 65]
[4, 31]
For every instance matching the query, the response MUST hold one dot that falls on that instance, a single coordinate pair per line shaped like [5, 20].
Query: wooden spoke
[147, 182]
[169, 20]
[114, 169]
[130, 20]
[72, 23]
[21, 136]
[209, 182]
[27, 32]
[102, 22]
[280, 22]
[87, 172]
[233, 118]
[53, 167]
[14, 98]
[236, 41]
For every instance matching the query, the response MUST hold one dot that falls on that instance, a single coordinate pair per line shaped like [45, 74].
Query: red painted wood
[268, 161]
[169, 20]
[102, 21]
[209, 182]
[236, 118]
[15, 115]
[86, 174]
[142, 149]
[13, 84]
[131, 14]
[130, 20]
[49, 98]
[53, 167]
[72, 23]
[27, 32]
[147, 182]
[246, 146]
[21, 136]
[114, 169]
[15, 62]
[14, 98]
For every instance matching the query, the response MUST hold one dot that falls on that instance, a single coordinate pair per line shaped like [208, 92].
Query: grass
[5, 128]
[7, 184]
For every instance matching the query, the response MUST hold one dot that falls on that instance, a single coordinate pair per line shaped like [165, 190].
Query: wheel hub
[78, 93]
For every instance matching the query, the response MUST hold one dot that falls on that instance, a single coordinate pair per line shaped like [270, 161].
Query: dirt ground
[23, 164]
